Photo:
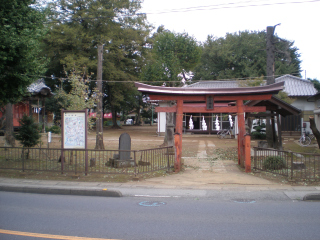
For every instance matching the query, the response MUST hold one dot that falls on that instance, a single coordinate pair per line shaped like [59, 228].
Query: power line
[158, 81]
[226, 6]
[189, 9]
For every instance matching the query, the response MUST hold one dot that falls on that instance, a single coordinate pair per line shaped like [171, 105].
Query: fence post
[135, 163]
[247, 153]
[291, 165]
[255, 158]
[86, 162]
[168, 159]
[76, 165]
[62, 160]
[22, 159]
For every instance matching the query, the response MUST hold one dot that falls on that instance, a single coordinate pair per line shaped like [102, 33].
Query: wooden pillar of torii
[210, 96]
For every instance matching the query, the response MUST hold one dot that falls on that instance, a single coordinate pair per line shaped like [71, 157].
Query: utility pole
[99, 114]
[270, 124]
[270, 55]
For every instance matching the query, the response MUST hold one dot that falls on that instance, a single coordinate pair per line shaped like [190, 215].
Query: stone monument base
[116, 163]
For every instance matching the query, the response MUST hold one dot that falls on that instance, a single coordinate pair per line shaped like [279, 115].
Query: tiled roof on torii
[157, 90]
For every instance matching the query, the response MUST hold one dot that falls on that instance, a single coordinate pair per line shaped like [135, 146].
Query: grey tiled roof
[214, 84]
[37, 86]
[296, 87]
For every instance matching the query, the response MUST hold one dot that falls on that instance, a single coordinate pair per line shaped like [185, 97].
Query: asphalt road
[156, 218]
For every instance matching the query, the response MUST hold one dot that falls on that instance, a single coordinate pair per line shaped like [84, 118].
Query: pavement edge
[63, 191]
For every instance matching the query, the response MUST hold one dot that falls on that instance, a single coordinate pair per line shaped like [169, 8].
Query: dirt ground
[206, 159]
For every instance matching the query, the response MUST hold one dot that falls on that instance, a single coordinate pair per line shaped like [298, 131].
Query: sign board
[74, 129]
[209, 102]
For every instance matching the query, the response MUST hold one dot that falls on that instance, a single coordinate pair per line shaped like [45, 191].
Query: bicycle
[306, 139]
[223, 133]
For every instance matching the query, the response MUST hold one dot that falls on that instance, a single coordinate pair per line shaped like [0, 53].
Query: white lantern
[204, 125]
[217, 123]
[230, 120]
[191, 126]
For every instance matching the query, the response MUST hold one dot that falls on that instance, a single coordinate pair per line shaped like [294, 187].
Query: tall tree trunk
[99, 114]
[114, 117]
[3, 118]
[138, 117]
[9, 125]
[314, 129]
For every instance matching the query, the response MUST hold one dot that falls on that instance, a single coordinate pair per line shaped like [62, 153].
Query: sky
[199, 18]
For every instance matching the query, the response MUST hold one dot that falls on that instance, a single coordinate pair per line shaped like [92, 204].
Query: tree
[243, 55]
[21, 30]
[314, 129]
[80, 97]
[29, 134]
[173, 54]
[316, 83]
[78, 27]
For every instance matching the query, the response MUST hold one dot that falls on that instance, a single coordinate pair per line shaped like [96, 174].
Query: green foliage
[173, 54]
[147, 113]
[258, 135]
[78, 27]
[28, 134]
[284, 97]
[79, 97]
[110, 123]
[258, 128]
[254, 82]
[54, 129]
[107, 123]
[316, 83]
[274, 163]
[21, 29]
[243, 55]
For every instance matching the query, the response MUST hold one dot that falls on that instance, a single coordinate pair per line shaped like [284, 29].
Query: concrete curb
[312, 197]
[63, 191]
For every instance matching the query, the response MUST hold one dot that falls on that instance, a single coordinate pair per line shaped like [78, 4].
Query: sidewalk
[152, 189]
[200, 179]
[204, 176]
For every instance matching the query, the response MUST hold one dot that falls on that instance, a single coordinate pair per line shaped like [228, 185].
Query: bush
[54, 129]
[107, 123]
[28, 134]
[274, 163]
[258, 135]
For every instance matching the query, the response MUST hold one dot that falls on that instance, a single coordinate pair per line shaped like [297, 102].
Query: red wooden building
[33, 104]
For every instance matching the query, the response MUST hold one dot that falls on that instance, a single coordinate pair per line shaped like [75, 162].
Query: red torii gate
[210, 96]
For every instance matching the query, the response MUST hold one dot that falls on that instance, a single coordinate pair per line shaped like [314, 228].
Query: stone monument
[122, 159]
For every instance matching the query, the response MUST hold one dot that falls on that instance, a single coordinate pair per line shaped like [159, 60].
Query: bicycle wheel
[221, 135]
[305, 142]
[229, 134]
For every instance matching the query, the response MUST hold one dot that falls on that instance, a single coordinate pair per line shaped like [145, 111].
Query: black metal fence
[294, 166]
[88, 161]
